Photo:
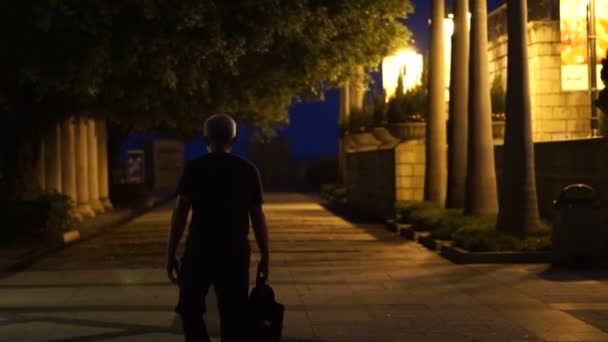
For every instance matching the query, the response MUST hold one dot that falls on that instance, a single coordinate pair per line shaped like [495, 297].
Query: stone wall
[371, 181]
[561, 163]
[556, 115]
[379, 177]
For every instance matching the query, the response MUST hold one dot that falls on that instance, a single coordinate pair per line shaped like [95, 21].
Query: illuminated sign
[574, 47]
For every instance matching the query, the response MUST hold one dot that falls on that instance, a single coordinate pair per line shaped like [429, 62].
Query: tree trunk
[435, 177]
[481, 194]
[518, 201]
[458, 121]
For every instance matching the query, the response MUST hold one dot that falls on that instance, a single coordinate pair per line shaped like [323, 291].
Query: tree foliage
[168, 64]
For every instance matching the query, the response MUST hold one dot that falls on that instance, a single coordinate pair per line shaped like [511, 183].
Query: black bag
[265, 314]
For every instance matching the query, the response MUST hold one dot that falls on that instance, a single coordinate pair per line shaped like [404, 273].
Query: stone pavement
[340, 281]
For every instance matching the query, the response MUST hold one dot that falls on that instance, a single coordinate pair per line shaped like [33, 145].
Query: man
[224, 193]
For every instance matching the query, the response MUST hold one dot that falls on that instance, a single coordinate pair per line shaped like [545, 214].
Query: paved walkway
[340, 282]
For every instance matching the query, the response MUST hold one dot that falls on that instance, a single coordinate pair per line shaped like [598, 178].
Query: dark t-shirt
[222, 188]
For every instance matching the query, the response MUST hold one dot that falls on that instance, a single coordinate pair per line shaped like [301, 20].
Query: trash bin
[578, 236]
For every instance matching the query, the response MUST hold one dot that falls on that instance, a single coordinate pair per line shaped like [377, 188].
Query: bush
[483, 237]
[379, 109]
[452, 220]
[59, 217]
[498, 98]
[360, 119]
[473, 233]
[334, 193]
[408, 107]
[405, 209]
[46, 215]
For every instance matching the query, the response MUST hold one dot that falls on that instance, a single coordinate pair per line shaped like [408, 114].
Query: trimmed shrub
[473, 233]
[484, 237]
[334, 193]
[405, 209]
[46, 215]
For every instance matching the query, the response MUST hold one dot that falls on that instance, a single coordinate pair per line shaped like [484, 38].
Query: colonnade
[73, 160]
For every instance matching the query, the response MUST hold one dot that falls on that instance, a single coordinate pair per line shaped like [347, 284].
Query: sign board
[574, 49]
[135, 167]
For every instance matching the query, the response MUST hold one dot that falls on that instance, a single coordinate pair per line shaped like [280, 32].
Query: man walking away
[224, 193]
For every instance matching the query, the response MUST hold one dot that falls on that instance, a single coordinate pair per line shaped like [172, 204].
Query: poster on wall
[135, 166]
[574, 53]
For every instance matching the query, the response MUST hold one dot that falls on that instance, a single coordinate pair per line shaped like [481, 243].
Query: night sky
[313, 128]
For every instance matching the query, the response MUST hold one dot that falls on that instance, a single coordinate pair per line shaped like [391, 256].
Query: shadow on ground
[575, 273]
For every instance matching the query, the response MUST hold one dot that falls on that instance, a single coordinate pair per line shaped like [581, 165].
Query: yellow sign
[574, 49]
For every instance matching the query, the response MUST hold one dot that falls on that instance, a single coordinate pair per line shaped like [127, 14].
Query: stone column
[357, 88]
[102, 151]
[93, 167]
[52, 160]
[68, 164]
[82, 169]
[39, 166]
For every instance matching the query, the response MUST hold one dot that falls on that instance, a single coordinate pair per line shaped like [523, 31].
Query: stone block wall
[378, 178]
[556, 115]
[371, 181]
[409, 166]
[561, 163]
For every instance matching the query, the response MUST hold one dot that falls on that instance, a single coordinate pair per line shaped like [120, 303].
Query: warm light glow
[407, 63]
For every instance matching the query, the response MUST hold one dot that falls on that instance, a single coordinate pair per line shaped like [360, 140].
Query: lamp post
[592, 54]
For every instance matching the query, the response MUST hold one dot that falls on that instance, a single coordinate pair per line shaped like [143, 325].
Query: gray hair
[220, 129]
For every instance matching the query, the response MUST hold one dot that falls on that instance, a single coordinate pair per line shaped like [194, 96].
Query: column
[52, 160]
[82, 169]
[93, 167]
[39, 166]
[102, 151]
[68, 164]
[357, 88]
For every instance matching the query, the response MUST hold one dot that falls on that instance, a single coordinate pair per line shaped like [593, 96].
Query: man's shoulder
[233, 159]
[245, 162]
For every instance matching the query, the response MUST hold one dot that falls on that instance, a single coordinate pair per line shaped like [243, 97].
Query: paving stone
[45, 331]
[339, 280]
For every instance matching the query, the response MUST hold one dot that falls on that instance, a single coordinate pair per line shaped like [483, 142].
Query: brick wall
[556, 115]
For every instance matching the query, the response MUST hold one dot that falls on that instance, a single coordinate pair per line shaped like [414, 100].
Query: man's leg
[193, 287]
[232, 289]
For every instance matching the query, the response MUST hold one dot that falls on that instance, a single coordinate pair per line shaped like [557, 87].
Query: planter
[498, 130]
[408, 130]
[364, 140]
[384, 136]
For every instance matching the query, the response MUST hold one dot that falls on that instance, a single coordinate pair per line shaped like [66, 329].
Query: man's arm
[260, 229]
[178, 225]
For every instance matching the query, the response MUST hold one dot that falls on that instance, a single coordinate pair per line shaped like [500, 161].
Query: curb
[427, 241]
[73, 237]
[461, 256]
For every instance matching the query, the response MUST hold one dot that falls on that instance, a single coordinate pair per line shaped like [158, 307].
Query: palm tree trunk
[481, 194]
[458, 121]
[436, 140]
[518, 201]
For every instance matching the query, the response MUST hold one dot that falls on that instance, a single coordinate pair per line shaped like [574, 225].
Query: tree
[435, 176]
[458, 120]
[518, 212]
[480, 196]
[161, 64]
